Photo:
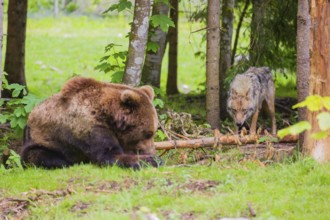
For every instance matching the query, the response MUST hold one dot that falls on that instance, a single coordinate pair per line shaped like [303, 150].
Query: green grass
[58, 48]
[297, 190]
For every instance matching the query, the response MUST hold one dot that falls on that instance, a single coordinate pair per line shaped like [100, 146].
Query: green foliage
[314, 103]
[152, 46]
[324, 120]
[39, 5]
[158, 103]
[113, 63]
[71, 7]
[16, 89]
[199, 14]
[14, 160]
[120, 6]
[17, 109]
[163, 21]
[160, 135]
[267, 139]
[320, 135]
[294, 129]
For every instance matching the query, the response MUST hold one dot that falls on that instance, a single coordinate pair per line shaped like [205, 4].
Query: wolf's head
[240, 105]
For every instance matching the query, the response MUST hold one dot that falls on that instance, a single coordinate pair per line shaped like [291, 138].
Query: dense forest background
[51, 41]
[192, 48]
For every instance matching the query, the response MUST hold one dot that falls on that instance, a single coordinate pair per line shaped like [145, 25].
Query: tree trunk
[15, 50]
[319, 74]
[212, 63]
[56, 8]
[225, 49]
[172, 38]
[153, 61]
[303, 26]
[137, 44]
[258, 32]
[239, 25]
[1, 37]
[63, 4]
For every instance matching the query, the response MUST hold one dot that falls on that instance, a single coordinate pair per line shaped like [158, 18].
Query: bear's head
[130, 114]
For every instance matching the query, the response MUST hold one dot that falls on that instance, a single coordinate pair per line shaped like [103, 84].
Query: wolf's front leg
[254, 122]
[271, 107]
[273, 123]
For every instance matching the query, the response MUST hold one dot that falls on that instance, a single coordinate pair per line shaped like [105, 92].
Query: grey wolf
[248, 93]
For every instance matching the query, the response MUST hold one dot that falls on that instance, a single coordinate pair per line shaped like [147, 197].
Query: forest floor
[248, 189]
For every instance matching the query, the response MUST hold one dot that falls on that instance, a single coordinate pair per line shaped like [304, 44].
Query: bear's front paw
[155, 161]
[148, 161]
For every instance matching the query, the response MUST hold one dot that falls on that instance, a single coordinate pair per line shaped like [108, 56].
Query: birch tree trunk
[15, 47]
[153, 61]
[137, 43]
[56, 8]
[1, 37]
[212, 63]
[172, 37]
[319, 80]
[303, 68]
[63, 4]
[225, 49]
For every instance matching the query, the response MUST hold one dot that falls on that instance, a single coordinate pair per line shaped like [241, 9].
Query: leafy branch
[314, 103]
[113, 62]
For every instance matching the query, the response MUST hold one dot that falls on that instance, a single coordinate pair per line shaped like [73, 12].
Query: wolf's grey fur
[248, 92]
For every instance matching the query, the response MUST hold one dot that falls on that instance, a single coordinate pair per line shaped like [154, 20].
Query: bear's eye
[148, 134]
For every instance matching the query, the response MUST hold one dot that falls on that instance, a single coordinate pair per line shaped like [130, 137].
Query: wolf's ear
[233, 91]
[129, 98]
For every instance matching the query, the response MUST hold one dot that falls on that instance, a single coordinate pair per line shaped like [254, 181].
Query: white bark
[63, 4]
[56, 9]
[137, 44]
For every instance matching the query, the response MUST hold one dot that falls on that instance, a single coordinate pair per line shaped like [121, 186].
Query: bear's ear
[149, 91]
[129, 98]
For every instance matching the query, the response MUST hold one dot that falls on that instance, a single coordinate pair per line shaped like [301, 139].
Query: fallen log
[222, 140]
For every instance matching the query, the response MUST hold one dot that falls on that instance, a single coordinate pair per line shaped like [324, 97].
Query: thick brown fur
[248, 93]
[92, 121]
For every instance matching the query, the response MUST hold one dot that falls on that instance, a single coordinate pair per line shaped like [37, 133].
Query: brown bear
[94, 122]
